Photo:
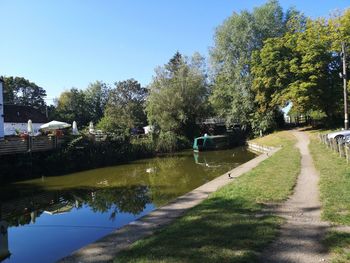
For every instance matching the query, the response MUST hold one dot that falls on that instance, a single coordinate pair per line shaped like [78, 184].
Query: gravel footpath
[300, 237]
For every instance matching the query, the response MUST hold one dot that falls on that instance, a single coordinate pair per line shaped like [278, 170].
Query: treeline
[261, 61]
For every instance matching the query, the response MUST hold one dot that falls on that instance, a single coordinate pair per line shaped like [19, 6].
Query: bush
[142, 147]
[170, 142]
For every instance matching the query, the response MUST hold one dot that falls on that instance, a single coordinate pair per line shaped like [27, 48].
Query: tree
[20, 91]
[71, 106]
[125, 107]
[235, 41]
[96, 96]
[178, 95]
[301, 68]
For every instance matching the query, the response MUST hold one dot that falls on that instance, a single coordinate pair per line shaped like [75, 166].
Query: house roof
[21, 114]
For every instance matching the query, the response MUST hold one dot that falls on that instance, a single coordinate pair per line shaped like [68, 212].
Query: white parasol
[75, 128]
[30, 127]
[55, 125]
[91, 127]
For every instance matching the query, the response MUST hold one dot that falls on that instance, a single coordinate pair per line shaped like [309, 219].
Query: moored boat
[207, 142]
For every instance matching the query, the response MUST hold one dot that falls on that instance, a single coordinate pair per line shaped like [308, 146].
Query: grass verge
[334, 183]
[335, 197]
[228, 226]
[339, 245]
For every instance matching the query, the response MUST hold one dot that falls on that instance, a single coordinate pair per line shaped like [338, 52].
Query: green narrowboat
[207, 142]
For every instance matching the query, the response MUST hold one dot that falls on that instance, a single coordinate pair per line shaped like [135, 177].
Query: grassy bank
[334, 183]
[228, 226]
[335, 196]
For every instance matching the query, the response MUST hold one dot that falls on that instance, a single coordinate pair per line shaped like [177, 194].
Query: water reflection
[63, 213]
[4, 243]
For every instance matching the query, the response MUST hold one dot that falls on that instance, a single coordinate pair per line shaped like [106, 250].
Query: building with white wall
[16, 119]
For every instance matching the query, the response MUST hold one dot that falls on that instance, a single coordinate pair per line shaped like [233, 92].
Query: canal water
[45, 219]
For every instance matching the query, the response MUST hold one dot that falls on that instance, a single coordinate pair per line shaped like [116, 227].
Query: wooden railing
[30, 144]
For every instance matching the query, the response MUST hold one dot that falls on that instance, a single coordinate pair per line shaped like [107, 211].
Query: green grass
[228, 226]
[334, 183]
[339, 245]
[335, 197]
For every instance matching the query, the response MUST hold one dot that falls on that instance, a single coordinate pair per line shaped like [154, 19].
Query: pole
[346, 121]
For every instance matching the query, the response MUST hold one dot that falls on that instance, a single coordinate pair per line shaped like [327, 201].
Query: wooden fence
[30, 144]
[338, 146]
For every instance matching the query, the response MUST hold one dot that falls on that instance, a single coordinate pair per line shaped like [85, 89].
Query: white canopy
[54, 125]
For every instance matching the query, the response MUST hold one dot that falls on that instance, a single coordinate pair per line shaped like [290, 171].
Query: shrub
[170, 142]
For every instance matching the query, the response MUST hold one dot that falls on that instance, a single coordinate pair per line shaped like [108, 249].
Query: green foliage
[125, 107]
[235, 42]
[171, 142]
[317, 114]
[82, 106]
[267, 122]
[20, 91]
[178, 95]
[96, 96]
[300, 67]
[72, 106]
[110, 124]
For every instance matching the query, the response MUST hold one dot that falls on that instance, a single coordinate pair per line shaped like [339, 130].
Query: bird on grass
[229, 176]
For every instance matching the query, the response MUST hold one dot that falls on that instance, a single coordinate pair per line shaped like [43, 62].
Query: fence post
[335, 145]
[346, 154]
[332, 144]
[29, 144]
[341, 147]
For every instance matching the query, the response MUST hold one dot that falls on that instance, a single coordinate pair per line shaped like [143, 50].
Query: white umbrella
[30, 127]
[91, 127]
[75, 128]
[54, 125]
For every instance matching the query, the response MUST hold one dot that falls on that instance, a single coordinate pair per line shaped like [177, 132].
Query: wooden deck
[14, 145]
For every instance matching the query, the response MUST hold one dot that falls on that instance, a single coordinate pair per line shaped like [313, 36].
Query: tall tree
[125, 107]
[235, 41]
[96, 96]
[178, 95]
[299, 67]
[20, 91]
[71, 106]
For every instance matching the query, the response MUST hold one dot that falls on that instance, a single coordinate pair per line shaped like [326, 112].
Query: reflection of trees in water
[174, 176]
[131, 199]
[126, 188]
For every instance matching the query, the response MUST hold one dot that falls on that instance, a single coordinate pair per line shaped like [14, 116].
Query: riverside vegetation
[82, 152]
[261, 60]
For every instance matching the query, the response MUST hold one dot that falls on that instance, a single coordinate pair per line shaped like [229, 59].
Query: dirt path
[301, 235]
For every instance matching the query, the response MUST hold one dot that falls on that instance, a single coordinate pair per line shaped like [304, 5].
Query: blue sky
[70, 43]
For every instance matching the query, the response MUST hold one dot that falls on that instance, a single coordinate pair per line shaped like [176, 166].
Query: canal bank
[230, 225]
[105, 249]
[65, 213]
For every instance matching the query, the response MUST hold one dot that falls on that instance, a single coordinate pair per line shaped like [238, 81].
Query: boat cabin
[207, 142]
